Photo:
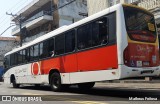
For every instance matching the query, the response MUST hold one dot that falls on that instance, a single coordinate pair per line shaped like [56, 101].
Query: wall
[149, 4]
[95, 6]
[70, 13]
[5, 46]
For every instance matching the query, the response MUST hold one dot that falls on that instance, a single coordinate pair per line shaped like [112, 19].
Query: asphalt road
[102, 93]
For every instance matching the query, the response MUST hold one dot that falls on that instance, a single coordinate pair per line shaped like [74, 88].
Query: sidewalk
[146, 86]
[136, 80]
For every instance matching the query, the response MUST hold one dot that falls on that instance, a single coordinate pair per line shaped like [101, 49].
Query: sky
[10, 6]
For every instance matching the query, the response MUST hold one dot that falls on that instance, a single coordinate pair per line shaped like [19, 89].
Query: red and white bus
[116, 43]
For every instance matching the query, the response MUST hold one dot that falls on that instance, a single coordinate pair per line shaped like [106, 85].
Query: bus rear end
[141, 56]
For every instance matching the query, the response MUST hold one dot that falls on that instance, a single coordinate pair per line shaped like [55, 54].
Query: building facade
[95, 6]
[151, 5]
[42, 16]
[6, 45]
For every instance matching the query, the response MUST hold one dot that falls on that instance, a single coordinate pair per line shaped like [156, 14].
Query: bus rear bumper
[127, 72]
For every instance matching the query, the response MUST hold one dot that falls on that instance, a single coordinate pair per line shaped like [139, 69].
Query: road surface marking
[88, 102]
[73, 100]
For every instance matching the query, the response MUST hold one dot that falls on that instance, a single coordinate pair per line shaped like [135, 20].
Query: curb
[131, 81]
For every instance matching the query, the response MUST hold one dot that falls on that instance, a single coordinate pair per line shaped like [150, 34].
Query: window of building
[70, 41]
[117, 1]
[59, 44]
[111, 2]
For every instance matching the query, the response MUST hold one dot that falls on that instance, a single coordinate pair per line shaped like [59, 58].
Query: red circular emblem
[35, 69]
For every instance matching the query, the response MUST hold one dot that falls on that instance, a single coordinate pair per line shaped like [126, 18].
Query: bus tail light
[114, 73]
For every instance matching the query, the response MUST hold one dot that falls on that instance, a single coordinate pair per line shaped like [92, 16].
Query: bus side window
[112, 28]
[36, 51]
[6, 62]
[70, 41]
[51, 48]
[31, 53]
[12, 61]
[43, 49]
[59, 44]
[100, 31]
[84, 35]
[46, 48]
[24, 56]
[15, 58]
[19, 58]
[41, 55]
[27, 55]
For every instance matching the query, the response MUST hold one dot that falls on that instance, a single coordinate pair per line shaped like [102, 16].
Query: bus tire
[86, 86]
[55, 82]
[14, 84]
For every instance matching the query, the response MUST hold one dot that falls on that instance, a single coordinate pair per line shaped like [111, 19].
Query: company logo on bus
[146, 50]
[35, 69]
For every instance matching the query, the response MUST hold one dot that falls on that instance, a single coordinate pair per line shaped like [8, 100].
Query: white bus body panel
[23, 72]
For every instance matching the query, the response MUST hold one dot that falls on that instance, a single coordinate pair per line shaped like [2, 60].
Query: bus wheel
[85, 86]
[14, 84]
[55, 82]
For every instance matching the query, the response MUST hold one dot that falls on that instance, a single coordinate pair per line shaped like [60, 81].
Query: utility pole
[51, 6]
[20, 25]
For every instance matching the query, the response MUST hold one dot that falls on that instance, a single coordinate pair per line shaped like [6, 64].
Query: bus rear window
[140, 24]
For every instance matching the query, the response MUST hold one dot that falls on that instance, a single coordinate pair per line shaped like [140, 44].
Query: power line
[20, 25]
[19, 6]
[2, 20]
[11, 8]
[6, 30]
[6, 20]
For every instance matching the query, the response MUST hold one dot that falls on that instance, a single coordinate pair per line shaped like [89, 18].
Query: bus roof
[66, 28]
